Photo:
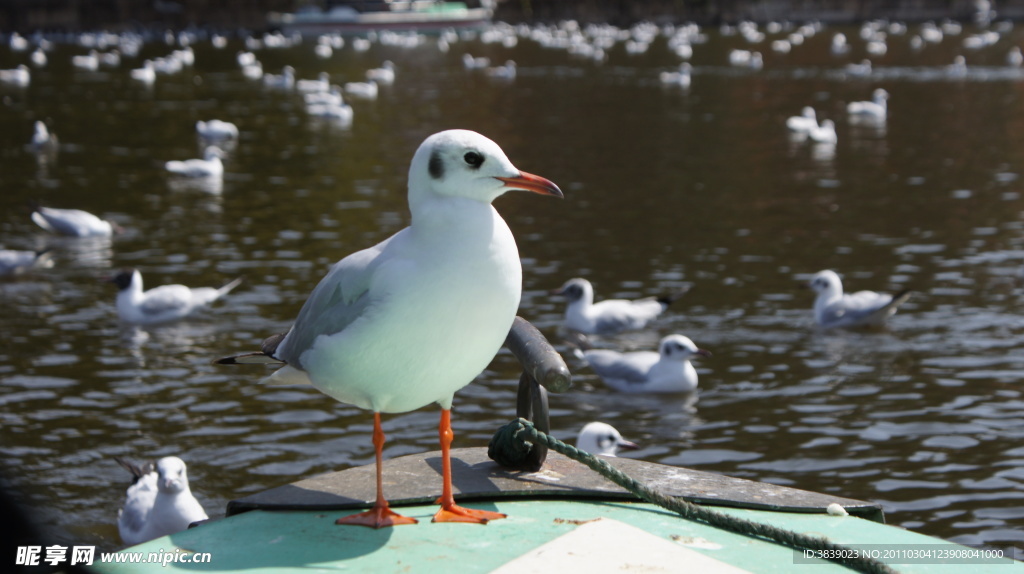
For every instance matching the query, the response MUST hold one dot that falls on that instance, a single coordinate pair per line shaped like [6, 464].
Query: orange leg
[451, 512]
[380, 515]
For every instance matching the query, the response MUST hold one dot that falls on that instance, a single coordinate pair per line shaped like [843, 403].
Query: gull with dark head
[413, 319]
[159, 501]
[164, 303]
[833, 308]
[602, 438]
[666, 371]
[611, 315]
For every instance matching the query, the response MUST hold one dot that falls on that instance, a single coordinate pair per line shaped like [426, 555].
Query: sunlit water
[664, 188]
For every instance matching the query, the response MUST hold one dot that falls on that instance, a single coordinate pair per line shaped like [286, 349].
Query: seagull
[471, 63]
[42, 139]
[385, 74]
[680, 77]
[876, 108]
[14, 261]
[209, 166]
[362, 90]
[321, 84]
[146, 74]
[666, 371]
[611, 315]
[159, 501]
[90, 61]
[161, 304]
[834, 309]
[216, 130]
[19, 76]
[506, 72]
[286, 80]
[805, 122]
[603, 439]
[824, 133]
[415, 318]
[73, 222]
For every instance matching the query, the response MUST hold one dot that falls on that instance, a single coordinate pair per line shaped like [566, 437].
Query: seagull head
[172, 477]
[602, 438]
[462, 163]
[679, 347]
[125, 278]
[826, 282]
[575, 290]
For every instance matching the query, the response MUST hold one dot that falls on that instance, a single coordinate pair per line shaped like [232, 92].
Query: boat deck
[563, 516]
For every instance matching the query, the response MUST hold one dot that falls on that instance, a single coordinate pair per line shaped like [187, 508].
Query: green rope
[516, 437]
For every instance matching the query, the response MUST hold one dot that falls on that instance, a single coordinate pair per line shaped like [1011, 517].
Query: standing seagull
[415, 318]
[834, 309]
[159, 501]
[611, 315]
[73, 222]
[667, 371]
[602, 438]
[161, 304]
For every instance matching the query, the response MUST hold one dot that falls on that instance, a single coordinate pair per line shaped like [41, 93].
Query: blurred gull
[146, 74]
[19, 76]
[216, 130]
[159, 501]
[506, 72]
[803, 123]
[73, 222]
[832, 308]
[602, 438]
[362, 90]
[90, 61]
[877, 108]
[471, 63]
[209, 166]
[286, 80]
[611, 315]
[385, 74]
[42, 139]
[680, 77]
[666, 371]
[13, 261]
[824, 133]
[164, 303]
[321, 84]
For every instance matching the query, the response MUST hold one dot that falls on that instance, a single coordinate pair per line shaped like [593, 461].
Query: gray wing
[860, 307]
[166, 298]
[57, 221]
[338, 300]
[630, 367]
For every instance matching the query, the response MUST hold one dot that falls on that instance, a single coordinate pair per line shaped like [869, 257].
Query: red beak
[532, 183]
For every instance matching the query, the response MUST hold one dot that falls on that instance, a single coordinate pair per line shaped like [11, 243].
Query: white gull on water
[602, 438]
[608, 316]
[413, 319]
[73, 222]
[159, 501]
[666, 371]
[833, 308]
[164, 303]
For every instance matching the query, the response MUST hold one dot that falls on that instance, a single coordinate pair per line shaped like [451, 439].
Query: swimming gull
[666, 371]
[611, 315]
[164, 303]
[833, 308]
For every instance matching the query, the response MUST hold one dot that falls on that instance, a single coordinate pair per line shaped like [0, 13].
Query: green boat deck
[563, 516]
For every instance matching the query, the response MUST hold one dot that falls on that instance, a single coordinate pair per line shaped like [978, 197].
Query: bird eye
[473, 159]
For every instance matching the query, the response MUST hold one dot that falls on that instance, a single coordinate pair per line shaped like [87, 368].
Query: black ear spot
[436, 165]
[474, 159]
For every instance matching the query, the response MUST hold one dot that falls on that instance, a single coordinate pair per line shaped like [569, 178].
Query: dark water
[664, 188]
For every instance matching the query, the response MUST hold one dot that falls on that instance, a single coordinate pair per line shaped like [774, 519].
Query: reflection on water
[665, 188]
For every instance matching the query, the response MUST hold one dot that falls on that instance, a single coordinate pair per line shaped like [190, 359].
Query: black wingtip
[667, 300]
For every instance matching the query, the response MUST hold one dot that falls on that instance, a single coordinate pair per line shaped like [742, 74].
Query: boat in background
[363, 16]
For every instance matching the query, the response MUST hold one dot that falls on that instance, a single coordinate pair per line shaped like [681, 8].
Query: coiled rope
[514, 441]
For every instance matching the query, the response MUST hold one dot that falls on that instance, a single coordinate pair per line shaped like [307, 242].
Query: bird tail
[265, 356]
[579, 343]
[227, 288]
[898, 299]
[667, 300]
[136, 470]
